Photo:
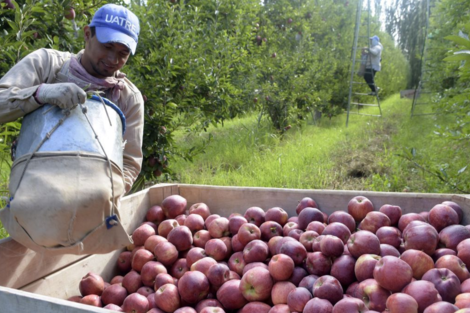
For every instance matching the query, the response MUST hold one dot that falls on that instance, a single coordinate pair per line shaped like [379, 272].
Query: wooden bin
[30, 282]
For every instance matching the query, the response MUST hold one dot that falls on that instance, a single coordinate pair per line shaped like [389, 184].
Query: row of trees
[201, 62]
[447, 67]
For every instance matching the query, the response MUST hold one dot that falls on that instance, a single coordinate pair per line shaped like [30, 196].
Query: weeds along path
[324, 156]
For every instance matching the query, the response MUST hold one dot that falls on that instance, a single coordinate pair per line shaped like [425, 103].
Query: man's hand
[63, 95]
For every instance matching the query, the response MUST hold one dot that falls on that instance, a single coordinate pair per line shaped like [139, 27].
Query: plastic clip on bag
[67, 179]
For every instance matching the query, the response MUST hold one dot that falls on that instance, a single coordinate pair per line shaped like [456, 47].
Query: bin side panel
[25, 265]
[14, 301]
[64, 284]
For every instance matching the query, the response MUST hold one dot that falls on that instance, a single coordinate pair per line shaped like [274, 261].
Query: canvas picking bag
[67, 180]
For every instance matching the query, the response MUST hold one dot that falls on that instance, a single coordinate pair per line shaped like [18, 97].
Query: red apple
[194, 222]
[135, 303]
[358, 207]
[462, 301]
[116, 280]
[364, 267]
[207, 303]
[163, 279]
[276, 214]
[140, 258]
[166, 226]
[256, 284]
[166, 253]
[298, 298]
[188, 309]
[230, 295]
[116, 308]
[93, 300]
[218, 274]
[288, 227]
[306, 239]
[308, 215]
[256, 251]
[420, 236]
[344, 218]
[295, 250]
[69, 12]
[298, 274]
[386, 249]
[141, 233]
[248, 232]
[392, 273]
[249, 266]
[153, 241]
[216, 249]
[255, 215]
[373, 221]
[419, 261]
[124, 261]
[256, 306]
[389, 235]
[441, 307]
[193, 286]
[281, 267]
[181, 219]
[423, 292]
[203, 265]
[173, 206]
[201, 209]
[441, 216]
[451, 236]
[114, 294]
[454, 264]
[270, 229]
[446, 283]
[195, 254]
[349, 305]
[295, 233]
[132, 281]
[456, 208]
[405, 219]
[316, 226]
[318, 264]
[441, 252]
[234, 224]
[306, 202]
[155, 214]
[329, 288]
[339, 230]
[317, 305]
[393, 212]
[373, 295]
[219, 227]
[201, 237]
[401, 303]
[308, 282]
[331, 246]
[280, 308]
[179, 268]
[280, 291]
[236, 263]
[463, 251]
[210, 219]
[236, 244]
[167, 298]
[150, 270]
[363, 242]
[91, 284]
[343, 270]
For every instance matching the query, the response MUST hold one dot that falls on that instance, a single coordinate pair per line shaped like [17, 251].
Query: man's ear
[87, 32]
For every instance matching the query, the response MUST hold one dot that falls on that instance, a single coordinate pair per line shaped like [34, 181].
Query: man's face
[103, 59]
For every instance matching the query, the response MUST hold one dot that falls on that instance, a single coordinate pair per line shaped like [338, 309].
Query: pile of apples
[363, 260]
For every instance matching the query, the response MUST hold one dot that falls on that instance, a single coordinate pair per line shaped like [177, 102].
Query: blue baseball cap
[115, 23]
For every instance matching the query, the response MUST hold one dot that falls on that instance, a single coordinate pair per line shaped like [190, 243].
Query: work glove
[63, 95]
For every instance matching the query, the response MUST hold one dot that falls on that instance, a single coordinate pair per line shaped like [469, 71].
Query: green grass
[363, 156]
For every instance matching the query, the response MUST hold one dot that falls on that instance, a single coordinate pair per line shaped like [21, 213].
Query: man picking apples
[59, 78]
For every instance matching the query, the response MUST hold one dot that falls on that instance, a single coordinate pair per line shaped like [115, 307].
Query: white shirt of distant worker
[58, 78]
[374, 66]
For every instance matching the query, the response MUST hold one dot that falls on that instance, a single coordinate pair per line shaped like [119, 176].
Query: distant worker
[374, 53]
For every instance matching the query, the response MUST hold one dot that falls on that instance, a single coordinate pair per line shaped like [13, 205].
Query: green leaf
[459, 40]
[458, 57]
